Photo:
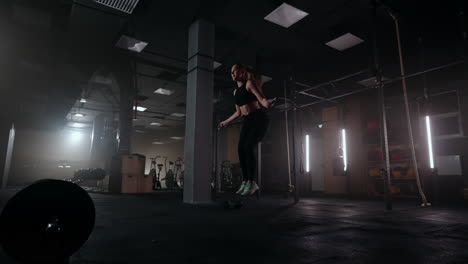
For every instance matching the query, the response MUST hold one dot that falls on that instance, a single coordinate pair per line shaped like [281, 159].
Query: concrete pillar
[123, 73]
[6, 152]
[96, 155]
[125, 83]
[199, 115]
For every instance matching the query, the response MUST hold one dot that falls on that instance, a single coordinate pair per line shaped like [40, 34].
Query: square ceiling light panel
[126, 6]
[79, 125]
[216, 65]
[266, 79]
[344, 42]
[164, 91]
[126, 42]
[286, 15]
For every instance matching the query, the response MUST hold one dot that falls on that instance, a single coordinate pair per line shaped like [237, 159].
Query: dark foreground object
[159, 228]
[46, 222]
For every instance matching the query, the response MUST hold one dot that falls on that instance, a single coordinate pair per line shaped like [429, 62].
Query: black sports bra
[243, 96]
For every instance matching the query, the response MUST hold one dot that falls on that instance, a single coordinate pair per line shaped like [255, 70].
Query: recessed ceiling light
[138, 47]
[82, 100]
[286, 15]
[79, 115]
[344, 42]
[155, 124]
[178, 114]
[266, 79]
[216, 65]
[126, 42]
[157, 143]
[164, 91]
[139, 131]
[60, 166]
[68, 166]
[177, 138]
[140, 108]
[78, 125]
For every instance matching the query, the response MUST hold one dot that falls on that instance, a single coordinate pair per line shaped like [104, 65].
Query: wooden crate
[133, 168]
[145, 184]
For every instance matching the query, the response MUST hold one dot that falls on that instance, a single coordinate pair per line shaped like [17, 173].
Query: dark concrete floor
[158, 228]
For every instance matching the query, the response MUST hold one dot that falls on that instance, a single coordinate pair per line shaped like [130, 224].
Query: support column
[199, 114]
[123, 73]
[96, 155]
[125, 83]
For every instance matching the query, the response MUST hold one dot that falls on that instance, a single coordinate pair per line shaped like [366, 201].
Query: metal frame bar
[294, 178]
[329, 82]
[318, 97]
[259, 167]
[398, 78]
[387, 82]
[383, 115]
[287, 136]
[336, 97]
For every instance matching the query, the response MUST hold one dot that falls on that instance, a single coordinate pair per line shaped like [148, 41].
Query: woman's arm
[251, 86]
[231, 118]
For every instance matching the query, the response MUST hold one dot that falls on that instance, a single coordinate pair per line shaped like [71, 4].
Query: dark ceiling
[54, 50]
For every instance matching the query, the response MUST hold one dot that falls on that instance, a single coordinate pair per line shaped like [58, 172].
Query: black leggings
[253, 130]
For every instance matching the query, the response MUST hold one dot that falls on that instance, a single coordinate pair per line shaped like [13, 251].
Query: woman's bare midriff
[249, 108]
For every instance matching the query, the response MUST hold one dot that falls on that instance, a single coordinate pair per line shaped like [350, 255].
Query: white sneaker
[246, 189]
[250, 189]
[254, 189]
[241, 188]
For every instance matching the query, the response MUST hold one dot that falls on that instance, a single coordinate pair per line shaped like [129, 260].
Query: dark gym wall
[457, 146]
[353, 122]
[232, 138]
[142, 144]
[334, 184]
[274, 156]
[39, 153]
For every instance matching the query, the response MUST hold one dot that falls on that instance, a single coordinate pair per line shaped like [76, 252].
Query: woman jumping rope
[248, 96]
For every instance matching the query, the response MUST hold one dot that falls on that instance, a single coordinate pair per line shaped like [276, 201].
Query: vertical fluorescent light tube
[307, 154]
[429, 142]
[345, 155]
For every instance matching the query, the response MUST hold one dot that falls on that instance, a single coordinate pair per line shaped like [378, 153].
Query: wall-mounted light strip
[345, 155]
[429, 142]
[140, 108]
[307, 154]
